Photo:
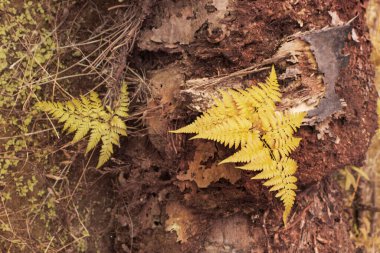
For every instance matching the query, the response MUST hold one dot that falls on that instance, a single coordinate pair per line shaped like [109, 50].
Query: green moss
[27, 49]
[26, 52]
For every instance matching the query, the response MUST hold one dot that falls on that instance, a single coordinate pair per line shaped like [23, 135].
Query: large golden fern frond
[248, 119]
[88, 115]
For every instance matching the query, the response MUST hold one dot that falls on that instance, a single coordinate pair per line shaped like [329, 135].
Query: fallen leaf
[203, 175]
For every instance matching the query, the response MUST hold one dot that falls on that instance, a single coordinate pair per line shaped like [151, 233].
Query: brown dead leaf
[204, 175]
[178, 23]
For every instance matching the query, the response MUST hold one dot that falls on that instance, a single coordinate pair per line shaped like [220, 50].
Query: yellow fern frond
[227, 106]
[114, 138]
[248, 119]
[232, 132]
[267, 173]
[288, 198]
[259, 165]
[288, 166]
[88, 114]
[216, 115]
[75, 123]
[266, 94]
[105, 151]
[69, 120]
[121, 109]
[287, 119]
[259, 98]
[95, 137]
[282, 127]
[282, 148]
[276, 187]
[82, 130]
[284, 183]
[118, 123]
[252, 151]
[271, 86]
[96, 102]
[274, 181]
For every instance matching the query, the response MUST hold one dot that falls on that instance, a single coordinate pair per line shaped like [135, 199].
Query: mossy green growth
[27, 53]
[25, 49]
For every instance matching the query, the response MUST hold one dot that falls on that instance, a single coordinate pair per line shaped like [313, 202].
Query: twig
[364, 207]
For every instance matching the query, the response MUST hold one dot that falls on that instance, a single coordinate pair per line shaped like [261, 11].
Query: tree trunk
[178, 198]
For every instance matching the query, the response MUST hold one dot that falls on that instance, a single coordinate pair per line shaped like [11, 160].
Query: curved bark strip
[312, 63]
[327, 48]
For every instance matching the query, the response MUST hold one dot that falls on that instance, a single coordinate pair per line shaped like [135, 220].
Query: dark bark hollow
[179, 200]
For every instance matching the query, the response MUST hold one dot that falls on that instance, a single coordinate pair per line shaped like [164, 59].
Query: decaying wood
[180, 200]
[309, 65]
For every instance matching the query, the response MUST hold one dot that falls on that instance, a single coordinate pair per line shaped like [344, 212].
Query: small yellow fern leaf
[88, 114]
[271, 86]
[75, 123]
[85, 102]
[289, 180]
[120, 131]
[64, 118]
[222, 110]
[277, 187]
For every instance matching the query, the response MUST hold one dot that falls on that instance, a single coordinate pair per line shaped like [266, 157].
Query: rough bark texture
[178, 200]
